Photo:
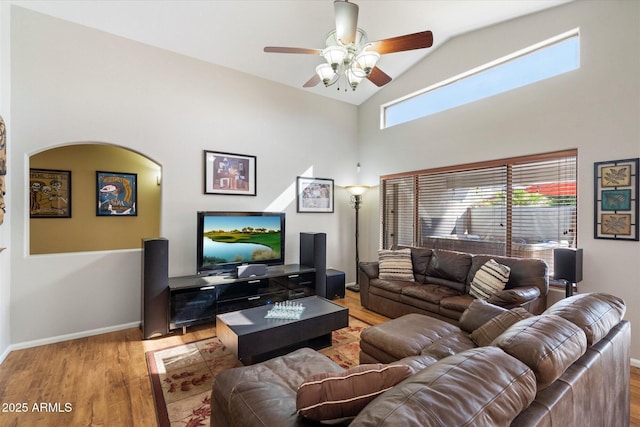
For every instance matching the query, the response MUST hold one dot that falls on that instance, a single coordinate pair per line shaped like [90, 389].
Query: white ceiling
[232, 33]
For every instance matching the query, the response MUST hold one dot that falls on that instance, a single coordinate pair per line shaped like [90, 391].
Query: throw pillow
[490, 279]
[330, 396]
[395, 265]
[491, 330]
[478, 313]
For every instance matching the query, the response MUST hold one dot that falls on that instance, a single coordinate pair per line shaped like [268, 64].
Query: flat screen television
[226, 240]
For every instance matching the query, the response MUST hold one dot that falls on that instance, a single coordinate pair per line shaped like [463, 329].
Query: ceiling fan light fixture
[354, 78]
[326, 73]
[334, 55]
[367, 60]
[347, 53]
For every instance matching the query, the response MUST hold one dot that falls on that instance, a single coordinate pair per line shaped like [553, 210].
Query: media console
[170, 303]
[198, 299]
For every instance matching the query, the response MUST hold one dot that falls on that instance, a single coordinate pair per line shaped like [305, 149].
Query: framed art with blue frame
[117, 194]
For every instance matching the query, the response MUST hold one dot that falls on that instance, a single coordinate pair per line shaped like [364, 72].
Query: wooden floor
[103, 381]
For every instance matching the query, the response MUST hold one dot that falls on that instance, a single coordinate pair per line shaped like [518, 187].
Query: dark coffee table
[252, 338]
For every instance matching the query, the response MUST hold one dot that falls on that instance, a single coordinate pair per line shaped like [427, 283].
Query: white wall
[5, 228]
[594, 109]
[71, 84]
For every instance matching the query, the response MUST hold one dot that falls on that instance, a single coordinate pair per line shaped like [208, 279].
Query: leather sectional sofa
[441, 283]
[569, 366]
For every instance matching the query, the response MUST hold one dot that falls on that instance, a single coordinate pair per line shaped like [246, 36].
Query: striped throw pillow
[327, 396]
[395, 265]
[490, 279]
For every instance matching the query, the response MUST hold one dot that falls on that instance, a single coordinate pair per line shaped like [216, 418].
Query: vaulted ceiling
[233, 33]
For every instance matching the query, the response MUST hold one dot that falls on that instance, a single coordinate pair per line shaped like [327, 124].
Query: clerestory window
[547, 59]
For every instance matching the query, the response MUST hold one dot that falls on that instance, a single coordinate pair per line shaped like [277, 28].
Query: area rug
[182, 376]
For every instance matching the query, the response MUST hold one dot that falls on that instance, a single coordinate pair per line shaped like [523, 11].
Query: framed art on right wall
[616, 200]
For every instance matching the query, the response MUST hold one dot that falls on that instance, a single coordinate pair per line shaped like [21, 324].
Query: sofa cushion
[486, 333]
[456, 286]
[407, 335]
[490, 279]
[595, 313]
[477, 314]
[457, 391]
[329, 396]
[525, 272]
[289, 370]
[514, 297]
[430, 293]
[449, 265]
[548, 344]
[261, 403]
[449, 345]
[395, 265]
[457, 303]
[420, 257]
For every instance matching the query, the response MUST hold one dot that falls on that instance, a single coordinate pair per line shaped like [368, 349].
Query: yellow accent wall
[85, 231]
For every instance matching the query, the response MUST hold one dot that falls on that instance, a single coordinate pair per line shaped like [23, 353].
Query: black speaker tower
[567, 266]
[313, 253]
[155, 287]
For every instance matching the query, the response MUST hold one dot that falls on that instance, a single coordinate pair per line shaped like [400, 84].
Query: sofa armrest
[516, 297]
[370, 269]
[366, 272]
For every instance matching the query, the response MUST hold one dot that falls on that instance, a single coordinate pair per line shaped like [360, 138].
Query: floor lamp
[356, 192]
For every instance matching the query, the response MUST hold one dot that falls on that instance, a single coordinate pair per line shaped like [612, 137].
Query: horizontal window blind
[398, 212]
[523, 207]
[463, 210]
[544, 207]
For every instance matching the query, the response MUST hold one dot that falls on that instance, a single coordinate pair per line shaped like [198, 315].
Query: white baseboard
[67, 337]
[5, 354]
[635, 362]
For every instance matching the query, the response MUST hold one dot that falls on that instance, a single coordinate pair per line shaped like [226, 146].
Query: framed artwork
[229, 173]
[314, 194]
[49, 193]
[117, 194]
[616, 200]
[3, 168]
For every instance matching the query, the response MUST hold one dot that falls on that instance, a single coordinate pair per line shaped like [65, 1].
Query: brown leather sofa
[569, 366]
[441, 285]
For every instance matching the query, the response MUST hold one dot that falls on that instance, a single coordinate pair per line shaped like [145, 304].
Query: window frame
[478, 72]
[413, 178]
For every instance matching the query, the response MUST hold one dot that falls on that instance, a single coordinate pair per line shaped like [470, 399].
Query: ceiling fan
[349, 53]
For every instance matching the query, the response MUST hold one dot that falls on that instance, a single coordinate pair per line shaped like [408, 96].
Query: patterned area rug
[182, 376]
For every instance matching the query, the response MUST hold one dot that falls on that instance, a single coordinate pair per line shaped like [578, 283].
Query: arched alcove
[84, 230]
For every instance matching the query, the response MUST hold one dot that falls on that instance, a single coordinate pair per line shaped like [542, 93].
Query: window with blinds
[523, 207]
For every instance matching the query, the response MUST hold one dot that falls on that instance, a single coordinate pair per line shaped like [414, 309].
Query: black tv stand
[198, 299]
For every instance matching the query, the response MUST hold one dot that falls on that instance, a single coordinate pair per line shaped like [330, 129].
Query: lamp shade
[567, 264]
[326, 73]
[354, 79]
[334, 55]
[367, 60]
[357, 190]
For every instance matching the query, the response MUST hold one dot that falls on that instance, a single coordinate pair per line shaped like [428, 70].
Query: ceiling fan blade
[346, 21]
[401, 43]
[379, 77]
[312, 81]
[277, 49]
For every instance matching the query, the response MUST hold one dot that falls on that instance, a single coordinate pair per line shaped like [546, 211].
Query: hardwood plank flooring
[102, 380]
